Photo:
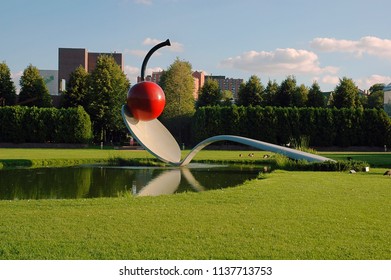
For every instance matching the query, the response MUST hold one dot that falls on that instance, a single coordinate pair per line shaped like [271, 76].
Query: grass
[284, 215]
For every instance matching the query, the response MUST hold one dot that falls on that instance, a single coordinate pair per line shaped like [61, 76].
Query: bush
[323, 126]
[19, 124]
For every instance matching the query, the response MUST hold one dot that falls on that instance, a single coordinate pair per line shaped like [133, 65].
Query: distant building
[155, 77]
[71, 58]
[51, 80]
[387, 99]
[227, 84]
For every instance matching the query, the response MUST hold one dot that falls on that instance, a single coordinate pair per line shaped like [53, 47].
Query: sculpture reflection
[168, 182]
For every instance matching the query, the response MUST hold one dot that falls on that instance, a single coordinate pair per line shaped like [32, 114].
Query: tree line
[289, 94]
[103, 91]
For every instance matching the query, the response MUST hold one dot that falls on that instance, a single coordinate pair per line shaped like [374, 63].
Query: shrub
[20, 124]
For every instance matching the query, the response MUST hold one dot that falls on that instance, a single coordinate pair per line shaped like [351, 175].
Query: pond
[108, 181]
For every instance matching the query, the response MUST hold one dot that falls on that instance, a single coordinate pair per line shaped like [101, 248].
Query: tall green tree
[108, 87]
[7, 87]
[286, 91]
[178, 85]
[315, 96]
[210, 94]
[77, 89]
[346, 94]
[376, 96]
[300, 96]
[270, 93]
[251, 92]
[33, 91]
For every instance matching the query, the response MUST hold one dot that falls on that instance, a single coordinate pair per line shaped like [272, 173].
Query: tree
[315, 96]
[178, 85]
[33, 91]
[7, 87]
[300, 96]
[210, 94]
[376, 96]
[108, 87]
[77, 91]
[376, 100]
[251, 92]
[346, 94]
[226, 97]
[287, 89]
[270, 93]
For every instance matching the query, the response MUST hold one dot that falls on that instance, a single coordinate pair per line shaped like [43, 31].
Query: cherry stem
[155, 48]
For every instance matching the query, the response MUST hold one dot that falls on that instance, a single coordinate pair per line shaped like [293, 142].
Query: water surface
[105, 181]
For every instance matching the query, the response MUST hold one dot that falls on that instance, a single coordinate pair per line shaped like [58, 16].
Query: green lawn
[284, 215]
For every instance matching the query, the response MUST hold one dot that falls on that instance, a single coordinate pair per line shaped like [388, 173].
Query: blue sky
[310, 39]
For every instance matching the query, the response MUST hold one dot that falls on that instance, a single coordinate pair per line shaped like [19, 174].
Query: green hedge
[20, 124]
[323, 126]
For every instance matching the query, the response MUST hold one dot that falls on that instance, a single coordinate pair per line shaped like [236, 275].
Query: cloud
[367, 82]
[280, 61]
[366, 45]
[175, 46]
[329, 79]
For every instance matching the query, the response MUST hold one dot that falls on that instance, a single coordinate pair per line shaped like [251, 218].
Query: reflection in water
[89, 182]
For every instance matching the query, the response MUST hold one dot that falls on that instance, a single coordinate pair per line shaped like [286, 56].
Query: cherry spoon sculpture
[146, 101]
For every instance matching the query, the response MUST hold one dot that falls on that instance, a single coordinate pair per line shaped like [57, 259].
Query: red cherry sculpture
[146, 101]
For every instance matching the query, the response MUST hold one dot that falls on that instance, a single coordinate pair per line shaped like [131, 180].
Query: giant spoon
[145, 102]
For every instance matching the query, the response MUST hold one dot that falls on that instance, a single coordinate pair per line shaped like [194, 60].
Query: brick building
[71, 58]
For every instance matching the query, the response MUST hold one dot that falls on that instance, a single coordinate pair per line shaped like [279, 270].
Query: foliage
[108, 87]
[323, 126]
[346, 94]
[376, 100]
[270, 93]
[251, 92]
[77, 89]
[21, 124]
[286, 90]
[210, 94]
[315, 96]
[178, 85]
[7, 87]
[33, 91]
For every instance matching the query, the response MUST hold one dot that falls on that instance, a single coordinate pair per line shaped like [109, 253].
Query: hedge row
[20, 124]
[323, 126]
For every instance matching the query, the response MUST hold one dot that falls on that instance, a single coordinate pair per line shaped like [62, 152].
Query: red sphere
[146, 101]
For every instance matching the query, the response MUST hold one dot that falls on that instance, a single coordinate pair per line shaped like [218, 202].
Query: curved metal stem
[155, 48]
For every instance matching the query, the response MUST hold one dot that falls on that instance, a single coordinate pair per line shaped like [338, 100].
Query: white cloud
[280, 61]
[175, 46]
[329, 79]
[367, 82]
[366, 45]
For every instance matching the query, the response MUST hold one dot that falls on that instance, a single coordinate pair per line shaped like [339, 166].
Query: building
[230, 84]
[387, 99]
[155, 77]
[71, 58]
[51, 80]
